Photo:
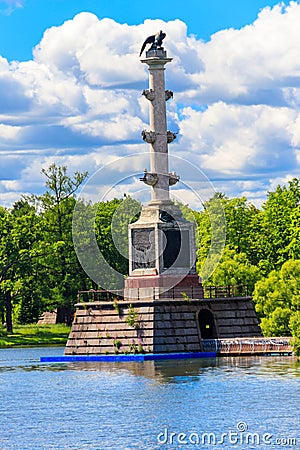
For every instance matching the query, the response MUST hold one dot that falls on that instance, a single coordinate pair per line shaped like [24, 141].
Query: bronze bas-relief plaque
[143, 248]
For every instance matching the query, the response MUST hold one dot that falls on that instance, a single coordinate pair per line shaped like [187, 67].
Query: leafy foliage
[39, 269]
[132, 318]
[234, 218]
[280, 228]
[235, 269]
[277, 300]
[295, 328]
[111, 229]
[263, 251]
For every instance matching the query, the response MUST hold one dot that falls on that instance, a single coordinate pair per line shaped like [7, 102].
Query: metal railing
[175, 293]
[240, 290]
[100, 296]
[248, 345]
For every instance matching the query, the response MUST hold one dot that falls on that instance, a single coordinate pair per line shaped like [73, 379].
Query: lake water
[221, 403]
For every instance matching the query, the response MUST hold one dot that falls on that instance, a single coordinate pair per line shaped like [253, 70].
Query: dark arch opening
[207, 324]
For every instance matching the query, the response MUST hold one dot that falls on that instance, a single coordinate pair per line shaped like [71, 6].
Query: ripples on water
[127, 405]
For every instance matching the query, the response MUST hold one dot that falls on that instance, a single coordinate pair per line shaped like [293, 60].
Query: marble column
[158, 136]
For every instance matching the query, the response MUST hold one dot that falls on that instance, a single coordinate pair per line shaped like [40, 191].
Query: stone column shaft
[158, 123]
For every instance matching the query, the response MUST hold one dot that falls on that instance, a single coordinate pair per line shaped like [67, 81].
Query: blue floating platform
[129, 357]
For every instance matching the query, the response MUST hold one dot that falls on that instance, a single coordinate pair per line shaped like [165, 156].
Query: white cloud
[235, 139]
[12, 5]
[9, 133]
[253, 64]
[78, 102]
[17, 3]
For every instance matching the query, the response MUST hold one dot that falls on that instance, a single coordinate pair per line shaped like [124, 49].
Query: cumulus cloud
[256, 64]
[78, 102]
[236, 139]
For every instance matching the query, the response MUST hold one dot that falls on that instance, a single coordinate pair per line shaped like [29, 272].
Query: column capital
[156, 62]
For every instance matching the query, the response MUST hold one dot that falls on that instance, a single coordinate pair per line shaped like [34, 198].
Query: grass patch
[34, 335]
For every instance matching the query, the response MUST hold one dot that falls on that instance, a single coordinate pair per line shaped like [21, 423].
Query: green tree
[19, 237]
[277, 299]
[242, 221]
[295, 328]
[100, 235]
[111, 228]
[238, 220]
[211, 235]
[64, 275]
[293, 248]
[235, 269]
[280, 227]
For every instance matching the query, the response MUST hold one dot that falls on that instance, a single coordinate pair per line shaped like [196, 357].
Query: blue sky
[23, 22]
[71, 81]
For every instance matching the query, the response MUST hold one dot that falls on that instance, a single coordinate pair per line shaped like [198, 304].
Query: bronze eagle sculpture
[155, 40]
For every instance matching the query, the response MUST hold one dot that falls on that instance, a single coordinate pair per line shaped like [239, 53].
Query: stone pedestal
[162, 252]
[161, 241]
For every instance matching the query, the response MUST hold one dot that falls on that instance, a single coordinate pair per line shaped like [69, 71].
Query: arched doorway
[207, 324]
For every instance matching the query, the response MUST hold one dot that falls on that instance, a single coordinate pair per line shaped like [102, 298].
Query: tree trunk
[8, 307]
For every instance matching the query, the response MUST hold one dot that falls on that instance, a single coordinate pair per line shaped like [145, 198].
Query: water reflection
[168, 371]
[263, 365]
[181, 371]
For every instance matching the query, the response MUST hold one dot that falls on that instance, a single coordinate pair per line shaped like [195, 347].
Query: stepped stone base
[158, 326]
[48, 318]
